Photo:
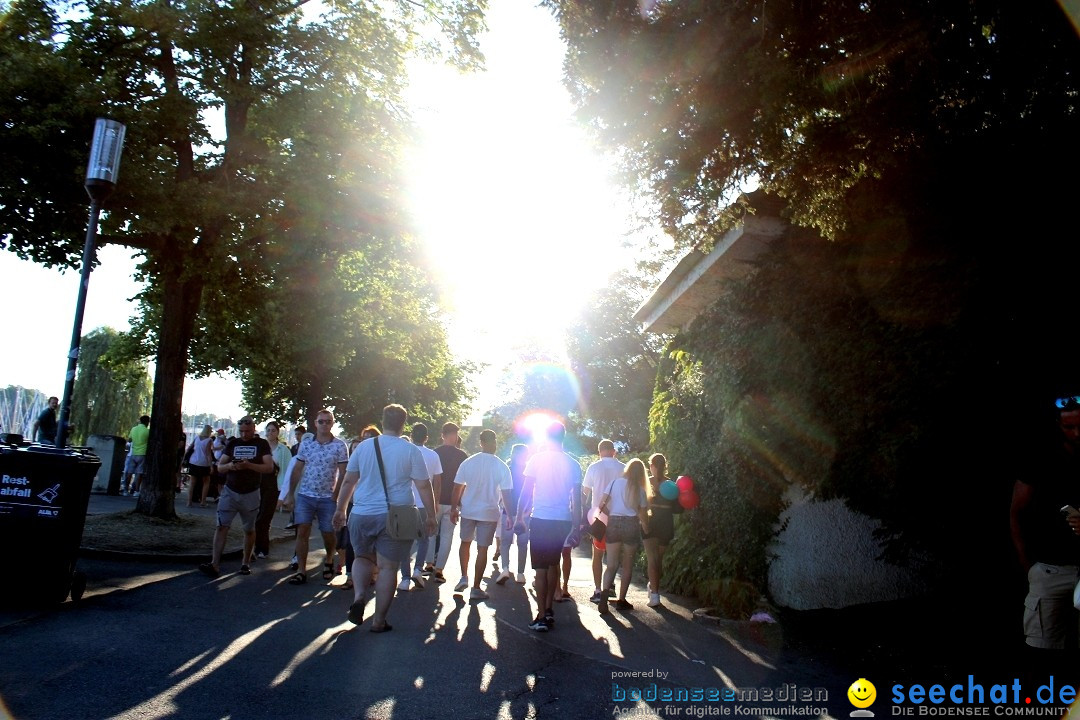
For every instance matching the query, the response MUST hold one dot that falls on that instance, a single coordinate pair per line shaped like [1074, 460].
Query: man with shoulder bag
[384, 521]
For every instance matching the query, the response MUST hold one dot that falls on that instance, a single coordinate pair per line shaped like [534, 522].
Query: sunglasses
[246, 422]
[1065, 402]
[325, 422]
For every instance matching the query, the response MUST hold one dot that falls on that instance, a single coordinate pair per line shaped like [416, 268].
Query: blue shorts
[307, 508]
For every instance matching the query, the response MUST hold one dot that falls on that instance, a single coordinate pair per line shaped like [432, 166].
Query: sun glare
[517, 209]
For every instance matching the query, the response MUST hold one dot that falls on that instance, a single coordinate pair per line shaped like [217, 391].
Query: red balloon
[689, 499]
[685, 483]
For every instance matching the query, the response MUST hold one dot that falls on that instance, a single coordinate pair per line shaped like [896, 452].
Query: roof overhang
[698, 278]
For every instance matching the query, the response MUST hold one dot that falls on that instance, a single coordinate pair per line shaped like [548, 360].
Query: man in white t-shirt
[598, 479]
[364, 483]
[413, 573]
[480, 481]
[552, 493]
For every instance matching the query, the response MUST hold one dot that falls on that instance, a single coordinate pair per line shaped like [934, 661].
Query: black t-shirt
[1048, 537]
[451, 459]
[47, 425]
[253, 450]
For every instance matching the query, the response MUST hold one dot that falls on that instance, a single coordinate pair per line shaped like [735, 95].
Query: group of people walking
[534, 501]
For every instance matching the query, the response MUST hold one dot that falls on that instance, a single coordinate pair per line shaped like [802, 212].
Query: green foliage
[110, 395]
[615, 362]
[243, 120]
[818, 102]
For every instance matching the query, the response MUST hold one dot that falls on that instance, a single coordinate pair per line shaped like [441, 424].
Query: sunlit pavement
[162, 640]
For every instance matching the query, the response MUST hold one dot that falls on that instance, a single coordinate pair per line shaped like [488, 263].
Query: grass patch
[134, 532]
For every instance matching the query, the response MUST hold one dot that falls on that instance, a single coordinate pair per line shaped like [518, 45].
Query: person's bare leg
[597, 566]
[627, 569]
[481, 564]
[652, 556]
[249, 546]
[220, 533]
[543, 598]
[552, 584]
[566, 557]
[463, 557]
[363, 567]
[330, 543]
[303, 540]
[384, 591]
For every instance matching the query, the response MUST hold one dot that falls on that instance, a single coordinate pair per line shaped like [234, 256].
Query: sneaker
[538, 624]
[294, 565]
[135, 494]
[549, 619]
[245, 569]
[477, 594]
[503, 577]
[209, 570]
[654, 599]
[461, 584]
[261, 555]
[520, 578]
[623, 605]
[602, 606]
[403, 586]
[418, 580]
[596, 597]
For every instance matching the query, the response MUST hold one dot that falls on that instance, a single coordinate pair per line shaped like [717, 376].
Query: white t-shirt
[404, 464]
[557, 476]
[617, 504]
[600, 475]
[484, 476]
[434, 467]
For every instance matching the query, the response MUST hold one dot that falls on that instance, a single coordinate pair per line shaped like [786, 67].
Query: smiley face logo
[862, 693]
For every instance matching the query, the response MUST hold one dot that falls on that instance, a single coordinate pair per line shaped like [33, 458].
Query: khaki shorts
[232, 503]
[483, 531]
[367, 533]
[1049, 615]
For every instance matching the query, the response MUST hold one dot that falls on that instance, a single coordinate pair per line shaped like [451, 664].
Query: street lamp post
[101, 173]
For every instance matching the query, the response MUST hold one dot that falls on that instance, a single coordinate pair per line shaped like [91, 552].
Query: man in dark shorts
[243, 461]
[1045, 525]
[552, 496]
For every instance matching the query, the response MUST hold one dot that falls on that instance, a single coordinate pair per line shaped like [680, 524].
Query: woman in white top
[202, 457]
[627, 510]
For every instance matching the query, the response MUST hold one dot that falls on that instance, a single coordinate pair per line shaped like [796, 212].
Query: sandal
[298, 579]
[328, 571]
[348, 584]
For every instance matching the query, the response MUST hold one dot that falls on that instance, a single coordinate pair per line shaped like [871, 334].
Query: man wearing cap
[1045, 525]
[243, 460]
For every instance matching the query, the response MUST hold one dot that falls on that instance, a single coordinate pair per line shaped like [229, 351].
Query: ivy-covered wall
[865, 370]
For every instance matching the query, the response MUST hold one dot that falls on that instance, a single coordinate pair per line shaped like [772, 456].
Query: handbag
[598, 526]
[402, 521]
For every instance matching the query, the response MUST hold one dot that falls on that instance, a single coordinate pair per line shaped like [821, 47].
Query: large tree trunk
[184, 296]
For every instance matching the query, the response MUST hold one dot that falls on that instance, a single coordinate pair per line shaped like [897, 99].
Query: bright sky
[517, 208]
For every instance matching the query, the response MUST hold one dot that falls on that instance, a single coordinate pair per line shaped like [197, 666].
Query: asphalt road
[156, 639]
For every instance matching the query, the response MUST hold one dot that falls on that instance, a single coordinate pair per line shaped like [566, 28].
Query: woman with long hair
[627, 510]
[661, 528]
[202, 458]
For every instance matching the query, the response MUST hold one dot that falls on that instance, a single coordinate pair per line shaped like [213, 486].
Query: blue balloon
[669, 490]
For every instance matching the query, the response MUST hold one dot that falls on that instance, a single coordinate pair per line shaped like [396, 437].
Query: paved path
[158, 639]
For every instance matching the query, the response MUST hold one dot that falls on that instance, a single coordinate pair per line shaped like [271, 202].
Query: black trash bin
[44, 493]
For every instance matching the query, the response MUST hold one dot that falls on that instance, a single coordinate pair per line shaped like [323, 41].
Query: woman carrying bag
[627, 511]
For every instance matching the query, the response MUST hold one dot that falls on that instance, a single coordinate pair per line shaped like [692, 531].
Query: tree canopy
[237, 113]
[844, 108]
[110, 393]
